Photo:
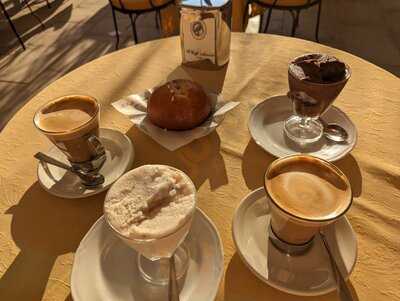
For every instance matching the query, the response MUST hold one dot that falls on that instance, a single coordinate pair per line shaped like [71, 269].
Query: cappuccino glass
[306, 193]
[154, 253]
[72, 124]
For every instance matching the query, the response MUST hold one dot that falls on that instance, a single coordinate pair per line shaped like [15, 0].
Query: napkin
[135, 108]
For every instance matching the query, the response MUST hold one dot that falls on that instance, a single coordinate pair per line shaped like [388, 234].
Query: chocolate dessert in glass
[315, 80]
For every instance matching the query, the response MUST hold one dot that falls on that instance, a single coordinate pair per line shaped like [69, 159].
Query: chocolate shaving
[320, 69]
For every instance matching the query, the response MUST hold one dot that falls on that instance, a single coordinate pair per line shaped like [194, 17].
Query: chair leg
[48, 4]
[269, 16]
[268, 20]
[318, 19]
[116, 27]
[26, 2]
[295, 16]
[133, 23]
[160, 23]
[12, 24]
[260, 25]
[245, 14]
[158, 17]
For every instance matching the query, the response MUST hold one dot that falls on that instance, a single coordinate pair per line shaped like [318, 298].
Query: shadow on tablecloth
[69, 298]
[350, 167]
[254, 164]
[201, 159]
[45, 227]
[211, 80]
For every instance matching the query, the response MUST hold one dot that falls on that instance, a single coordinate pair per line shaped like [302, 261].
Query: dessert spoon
[88, 179]
[173, 292]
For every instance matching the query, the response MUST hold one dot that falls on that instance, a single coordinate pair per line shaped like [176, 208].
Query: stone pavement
[78, 31]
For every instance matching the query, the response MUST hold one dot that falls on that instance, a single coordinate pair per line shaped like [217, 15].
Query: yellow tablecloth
[39, 233]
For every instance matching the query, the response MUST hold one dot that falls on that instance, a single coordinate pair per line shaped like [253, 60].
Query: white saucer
[105, 268]
[59, 182]
[266, 128]
[309, 274]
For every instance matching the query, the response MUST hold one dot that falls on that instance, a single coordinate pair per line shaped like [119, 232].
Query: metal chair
[26, 3]
[294, 6]
[12, 25]
[137, 8]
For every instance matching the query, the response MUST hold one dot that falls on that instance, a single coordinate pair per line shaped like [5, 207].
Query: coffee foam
[66, 114]
[150, 201]
[308, 189]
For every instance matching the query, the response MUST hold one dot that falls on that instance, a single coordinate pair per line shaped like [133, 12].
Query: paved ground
[78, 31]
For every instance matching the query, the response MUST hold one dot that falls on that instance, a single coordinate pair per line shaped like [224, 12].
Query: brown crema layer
[66, 114]
[308, 189]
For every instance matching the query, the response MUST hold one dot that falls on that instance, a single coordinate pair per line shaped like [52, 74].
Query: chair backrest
[139, 5]
[287, 3]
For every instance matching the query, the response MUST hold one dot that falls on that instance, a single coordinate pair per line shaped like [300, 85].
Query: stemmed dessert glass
[155, 255]
[310, 101]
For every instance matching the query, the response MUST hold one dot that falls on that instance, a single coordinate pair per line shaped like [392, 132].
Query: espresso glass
[81, 145]
[310, 101]
[154, 254]
[288, 226]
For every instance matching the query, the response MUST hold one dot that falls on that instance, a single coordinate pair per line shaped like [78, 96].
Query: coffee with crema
[309, 191]
[66, 115]
[306, 192]
[71, 122]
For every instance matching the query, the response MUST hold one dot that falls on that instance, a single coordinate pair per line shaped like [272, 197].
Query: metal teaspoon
[173, 292]
[334, 132]
[88, 179]
[343, 289]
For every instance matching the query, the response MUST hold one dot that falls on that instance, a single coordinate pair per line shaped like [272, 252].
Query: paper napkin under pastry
[135, 108]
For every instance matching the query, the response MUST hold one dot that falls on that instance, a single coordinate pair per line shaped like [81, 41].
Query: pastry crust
[179, 105]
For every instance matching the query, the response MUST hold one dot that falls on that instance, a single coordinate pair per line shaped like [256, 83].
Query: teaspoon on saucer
[88, 179]
[334, 132]
[343, 290]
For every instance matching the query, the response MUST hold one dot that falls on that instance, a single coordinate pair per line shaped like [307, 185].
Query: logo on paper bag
[198, 30]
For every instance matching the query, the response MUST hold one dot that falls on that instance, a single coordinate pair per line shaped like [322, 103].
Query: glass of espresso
[306, 193]
[315, 80]
[72, 124]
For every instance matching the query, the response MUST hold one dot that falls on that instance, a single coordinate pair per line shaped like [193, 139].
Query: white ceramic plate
[266, 128]
[57, 181]
[105, 268]
[309, 274]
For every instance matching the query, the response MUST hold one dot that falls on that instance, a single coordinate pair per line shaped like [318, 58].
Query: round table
[39, 233]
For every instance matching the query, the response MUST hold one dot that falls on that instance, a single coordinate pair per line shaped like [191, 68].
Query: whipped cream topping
[150, 201]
